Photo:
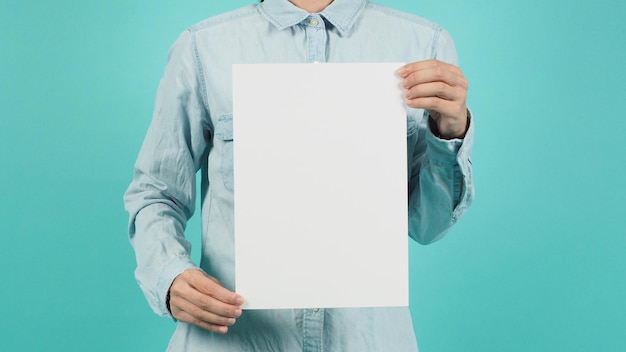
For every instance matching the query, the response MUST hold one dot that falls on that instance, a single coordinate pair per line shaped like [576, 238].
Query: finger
[210, 287]
[187, 318]
[199, 313]
[407, 69]
[436, 74]
[435, 89]
[204, 302]
[442, 106]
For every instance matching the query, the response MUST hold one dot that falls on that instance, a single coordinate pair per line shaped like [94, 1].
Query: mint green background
[537, 264]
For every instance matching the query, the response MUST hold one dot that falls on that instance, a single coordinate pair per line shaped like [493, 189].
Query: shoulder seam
[200, 70]
[415, 19]
[404, 16]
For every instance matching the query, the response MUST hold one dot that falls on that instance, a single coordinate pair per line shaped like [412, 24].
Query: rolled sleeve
[441, 188]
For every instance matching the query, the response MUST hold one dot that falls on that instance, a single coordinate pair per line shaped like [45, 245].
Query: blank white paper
[320, 177]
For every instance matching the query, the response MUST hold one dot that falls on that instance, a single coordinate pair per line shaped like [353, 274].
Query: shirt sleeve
[440, 171]
[161, 196]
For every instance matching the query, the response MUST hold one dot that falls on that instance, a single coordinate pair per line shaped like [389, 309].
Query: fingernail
[231, 321]
[401, 71]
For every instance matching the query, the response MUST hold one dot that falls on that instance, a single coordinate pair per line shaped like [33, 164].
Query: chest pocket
[224, 136]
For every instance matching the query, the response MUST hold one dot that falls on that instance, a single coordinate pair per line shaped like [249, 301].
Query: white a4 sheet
[320, 185]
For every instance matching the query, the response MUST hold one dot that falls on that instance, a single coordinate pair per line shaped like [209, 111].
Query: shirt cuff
[169, 273]
[450, 151]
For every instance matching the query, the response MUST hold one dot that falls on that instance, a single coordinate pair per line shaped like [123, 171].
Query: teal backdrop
[537, 264]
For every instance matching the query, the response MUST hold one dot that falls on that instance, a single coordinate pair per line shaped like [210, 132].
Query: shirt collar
[340, 13]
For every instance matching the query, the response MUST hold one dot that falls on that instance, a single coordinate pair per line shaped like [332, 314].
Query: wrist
[450, 131]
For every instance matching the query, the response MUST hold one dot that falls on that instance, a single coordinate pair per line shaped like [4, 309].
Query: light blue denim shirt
[191, 130]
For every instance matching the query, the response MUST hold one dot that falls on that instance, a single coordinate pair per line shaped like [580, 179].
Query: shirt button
[315, 310]
[313, 22]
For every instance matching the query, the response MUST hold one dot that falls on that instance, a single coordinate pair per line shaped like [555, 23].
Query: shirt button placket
[313, 326]
[316, 38]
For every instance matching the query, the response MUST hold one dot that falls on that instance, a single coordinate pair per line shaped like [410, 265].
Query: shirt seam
[414, 19]
[404, 16]
[200, 71]
[436, 35]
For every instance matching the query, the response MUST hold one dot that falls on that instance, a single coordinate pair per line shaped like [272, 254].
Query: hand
[441, 89]
[199, 299]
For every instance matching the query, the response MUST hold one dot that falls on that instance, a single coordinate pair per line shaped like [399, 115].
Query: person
[191, 131]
